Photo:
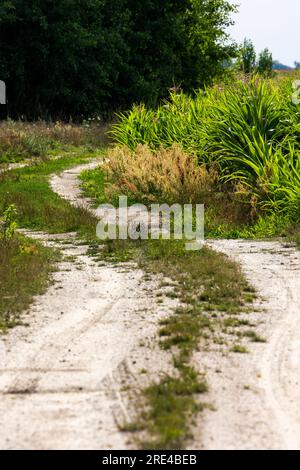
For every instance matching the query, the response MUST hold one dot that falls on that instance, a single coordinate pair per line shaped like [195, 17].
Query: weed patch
[38, 207]
[25, 269]
[210, 289]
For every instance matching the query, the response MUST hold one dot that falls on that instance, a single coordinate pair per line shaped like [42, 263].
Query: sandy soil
[257, 395]
[62, 377]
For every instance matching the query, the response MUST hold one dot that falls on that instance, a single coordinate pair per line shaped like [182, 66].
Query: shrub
[249, 130]
[167, 175]
[8, 224]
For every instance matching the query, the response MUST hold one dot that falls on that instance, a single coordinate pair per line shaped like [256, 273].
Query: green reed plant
[242, 118]
[176, 120]
[248, 129]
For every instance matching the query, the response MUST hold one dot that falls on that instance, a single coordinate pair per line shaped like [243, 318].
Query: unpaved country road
[61, 377]
[257, 395]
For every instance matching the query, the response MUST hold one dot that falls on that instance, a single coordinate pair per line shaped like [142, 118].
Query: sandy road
[257, 395]
[61, 377]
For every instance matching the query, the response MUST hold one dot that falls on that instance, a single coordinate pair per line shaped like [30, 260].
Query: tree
[206, 44]
[60, 58]
[265, 63]
[247, 57]
[297, 65]
[80, 57]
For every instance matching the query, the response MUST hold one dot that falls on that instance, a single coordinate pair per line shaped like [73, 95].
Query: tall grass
[248, 129]
[166, 175]
[177, 120]
[20, 140]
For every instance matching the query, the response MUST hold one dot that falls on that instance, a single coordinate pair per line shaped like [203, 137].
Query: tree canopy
[67, 58]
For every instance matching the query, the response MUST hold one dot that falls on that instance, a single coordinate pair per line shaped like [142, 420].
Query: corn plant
[248, 129]
[176, 120]
[243, 118]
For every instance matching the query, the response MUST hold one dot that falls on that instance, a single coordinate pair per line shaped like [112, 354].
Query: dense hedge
[67, 58]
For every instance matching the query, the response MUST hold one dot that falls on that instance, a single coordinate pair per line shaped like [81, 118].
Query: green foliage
[25, 269]
[253, 137]
[265, 63]
[178, 119]
[8, 223]
[247, 57]
[249, 129]
[75, 58]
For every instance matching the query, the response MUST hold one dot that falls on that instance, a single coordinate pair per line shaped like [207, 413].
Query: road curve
[62, 377]
[257, 395]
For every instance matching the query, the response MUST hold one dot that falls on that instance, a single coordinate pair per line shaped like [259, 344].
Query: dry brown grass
[20, 140]
[168, 175]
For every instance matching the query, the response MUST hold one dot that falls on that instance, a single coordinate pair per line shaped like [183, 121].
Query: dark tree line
[62, 58]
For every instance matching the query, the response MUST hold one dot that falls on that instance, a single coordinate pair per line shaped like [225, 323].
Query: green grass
[253, 336]
[248, 129]
[238, 349]
[169, 403]
[93, 184]
[25, 270]
[211, 289]
[25, 265]
[38, 207]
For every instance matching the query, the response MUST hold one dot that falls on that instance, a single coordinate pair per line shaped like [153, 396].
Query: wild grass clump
[247, 131]
[20, 140]
[166, 175]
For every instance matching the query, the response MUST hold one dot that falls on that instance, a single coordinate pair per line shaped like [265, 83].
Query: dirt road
[257, 395]
[61, 378]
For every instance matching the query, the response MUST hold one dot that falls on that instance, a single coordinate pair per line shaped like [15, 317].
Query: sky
[274, 24]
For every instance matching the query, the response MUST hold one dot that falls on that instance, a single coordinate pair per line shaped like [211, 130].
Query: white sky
[274, 24]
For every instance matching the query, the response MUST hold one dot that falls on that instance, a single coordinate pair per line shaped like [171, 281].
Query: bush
[249, 130]
[167, 175]
[8, 224]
